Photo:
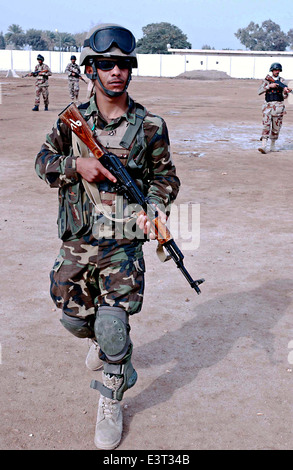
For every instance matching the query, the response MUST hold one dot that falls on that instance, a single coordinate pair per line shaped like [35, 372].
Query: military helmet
[276, 66]
[109, 41]
[40, 57]
[73, 57]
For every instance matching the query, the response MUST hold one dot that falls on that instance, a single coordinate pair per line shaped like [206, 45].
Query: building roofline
[230, 52]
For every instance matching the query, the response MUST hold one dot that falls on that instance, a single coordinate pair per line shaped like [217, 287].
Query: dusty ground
[214, 371]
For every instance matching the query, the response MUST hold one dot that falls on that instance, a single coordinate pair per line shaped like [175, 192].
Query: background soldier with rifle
[98, 278]
[42, 72]
[273, 109]
[74, 75]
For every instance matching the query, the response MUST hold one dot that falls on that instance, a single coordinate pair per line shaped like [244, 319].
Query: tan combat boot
[93, 361]
[273, 146]
[109, 420]
[263, 148]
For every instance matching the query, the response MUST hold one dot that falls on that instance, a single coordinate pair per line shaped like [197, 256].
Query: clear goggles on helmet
[103, 39]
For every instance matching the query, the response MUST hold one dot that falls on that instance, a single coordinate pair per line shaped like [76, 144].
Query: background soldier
[98, 277]
[273, 108]
[73, 71]
[42, 72]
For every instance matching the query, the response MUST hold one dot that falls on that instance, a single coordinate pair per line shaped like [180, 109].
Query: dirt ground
[214, 370]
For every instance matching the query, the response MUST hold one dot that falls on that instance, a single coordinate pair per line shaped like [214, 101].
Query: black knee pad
[112, 332]
[80, 327]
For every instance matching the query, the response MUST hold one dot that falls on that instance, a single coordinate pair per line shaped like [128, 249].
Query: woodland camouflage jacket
[149, 162]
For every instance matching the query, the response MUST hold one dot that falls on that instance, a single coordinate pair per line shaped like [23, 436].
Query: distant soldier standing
[273, 108]
[42, 72]
[73, 71]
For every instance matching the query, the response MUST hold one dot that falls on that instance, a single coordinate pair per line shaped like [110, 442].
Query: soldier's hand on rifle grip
[92, 170]
[144, 223]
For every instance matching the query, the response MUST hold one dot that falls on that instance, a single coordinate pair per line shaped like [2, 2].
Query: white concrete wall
[237, 64]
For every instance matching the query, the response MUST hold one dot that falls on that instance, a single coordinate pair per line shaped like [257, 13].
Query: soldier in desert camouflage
[42, 72]
[273, 108]
[73, 71]
[98, 277]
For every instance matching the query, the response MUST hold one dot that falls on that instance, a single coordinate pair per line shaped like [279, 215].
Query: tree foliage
[267, 37]
[156, 37]
[2, 41]
[35, 39]
[40, 40]
[155, 40]
[15, 36]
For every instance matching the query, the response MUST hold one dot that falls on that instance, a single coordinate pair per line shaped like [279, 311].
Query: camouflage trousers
[73, 87]
[89, 273]
[273, 113]
[44, 91]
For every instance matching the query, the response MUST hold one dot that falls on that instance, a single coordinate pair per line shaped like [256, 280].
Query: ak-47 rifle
[76, 122]
[78, 76]
[278, 82]
[34, 74]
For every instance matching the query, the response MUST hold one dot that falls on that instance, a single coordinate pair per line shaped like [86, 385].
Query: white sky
[211, 22]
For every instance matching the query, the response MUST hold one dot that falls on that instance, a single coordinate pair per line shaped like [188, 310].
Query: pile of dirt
[204, 75]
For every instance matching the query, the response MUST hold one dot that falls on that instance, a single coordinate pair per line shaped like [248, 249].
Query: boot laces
[108, 406]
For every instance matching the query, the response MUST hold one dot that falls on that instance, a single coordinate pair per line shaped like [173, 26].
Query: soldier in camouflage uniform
[42, 72]
[273, 108]
[98, 277]
[73, 71]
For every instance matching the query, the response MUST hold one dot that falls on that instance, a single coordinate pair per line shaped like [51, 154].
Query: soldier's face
[114, 79]
[276, 72]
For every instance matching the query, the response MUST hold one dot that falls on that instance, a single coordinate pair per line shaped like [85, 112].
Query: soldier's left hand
[144, 223]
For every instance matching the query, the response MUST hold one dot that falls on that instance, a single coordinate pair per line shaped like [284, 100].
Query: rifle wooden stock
[74, 119]
[76, 122]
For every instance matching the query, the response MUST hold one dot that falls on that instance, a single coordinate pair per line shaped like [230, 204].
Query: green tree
[290, 38]
[51, 39]
[2, 41]
[79, 40]
[66, 41]
[267, 37]
[35, 39]
[15, 36]
[156, 36]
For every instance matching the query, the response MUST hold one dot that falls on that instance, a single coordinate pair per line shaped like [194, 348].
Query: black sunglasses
[110, 64]
[103, 39]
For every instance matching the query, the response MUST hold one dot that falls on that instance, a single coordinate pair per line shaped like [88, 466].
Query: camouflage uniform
[42, 84]
[93, 268]
[73, 81]
[273, 110]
